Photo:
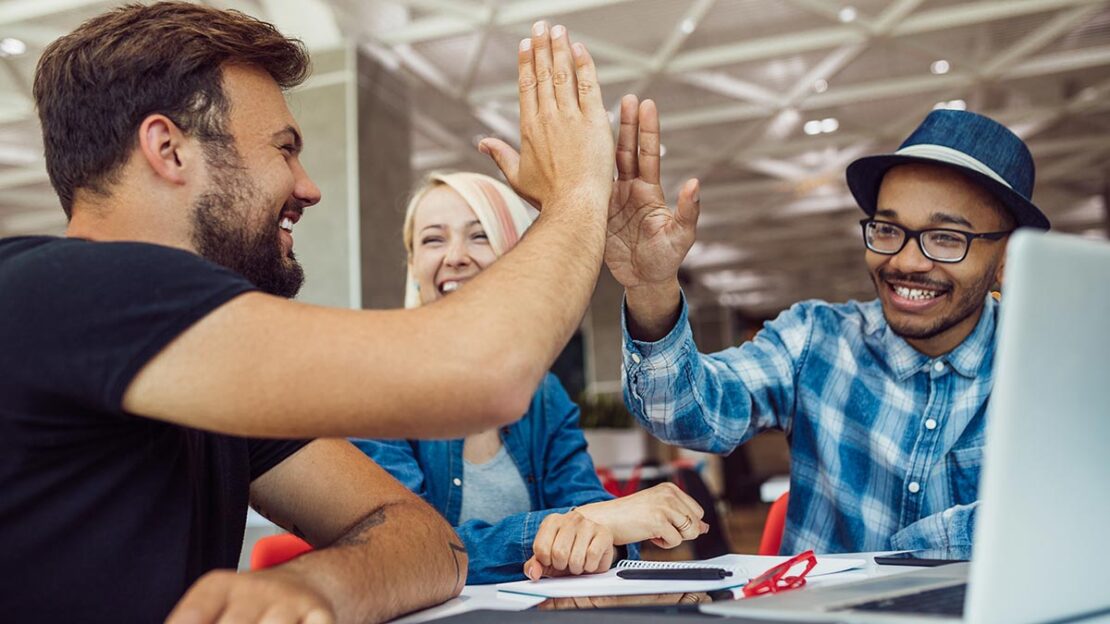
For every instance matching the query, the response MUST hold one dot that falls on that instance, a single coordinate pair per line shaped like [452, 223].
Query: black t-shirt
[106, 516]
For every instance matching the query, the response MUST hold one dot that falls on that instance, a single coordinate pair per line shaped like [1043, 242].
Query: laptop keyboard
[942, 601]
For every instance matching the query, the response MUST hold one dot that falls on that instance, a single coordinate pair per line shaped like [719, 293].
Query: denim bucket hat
[981, 148]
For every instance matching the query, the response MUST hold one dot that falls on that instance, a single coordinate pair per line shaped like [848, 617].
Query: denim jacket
[548, 449]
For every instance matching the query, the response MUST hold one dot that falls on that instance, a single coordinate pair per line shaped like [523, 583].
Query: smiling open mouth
[916, 294]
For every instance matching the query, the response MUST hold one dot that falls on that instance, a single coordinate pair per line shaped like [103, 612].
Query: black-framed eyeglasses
[938, 244]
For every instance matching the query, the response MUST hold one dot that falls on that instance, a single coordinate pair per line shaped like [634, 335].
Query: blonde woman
[524, 498]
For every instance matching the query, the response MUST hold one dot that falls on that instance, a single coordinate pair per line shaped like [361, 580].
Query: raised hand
[663, 514]
[569, 544]
[646, 242]
[566, 147]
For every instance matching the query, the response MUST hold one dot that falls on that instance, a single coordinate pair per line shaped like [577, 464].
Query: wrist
[653, 309]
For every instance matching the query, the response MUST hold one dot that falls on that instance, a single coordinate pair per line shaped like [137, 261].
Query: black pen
[674, 574]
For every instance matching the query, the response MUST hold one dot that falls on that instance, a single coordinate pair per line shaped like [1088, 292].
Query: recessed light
[688, 25]
[848, 14]
[940, 67]
[10, 46]
[821, 85]
[812, 127]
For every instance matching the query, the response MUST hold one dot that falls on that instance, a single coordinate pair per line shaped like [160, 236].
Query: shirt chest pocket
[964, 466]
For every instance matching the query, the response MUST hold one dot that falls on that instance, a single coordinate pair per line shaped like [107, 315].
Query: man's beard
[222, 229]
[968, 304]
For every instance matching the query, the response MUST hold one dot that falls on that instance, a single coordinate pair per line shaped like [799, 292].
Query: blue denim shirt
[547, 447]
[886, 443]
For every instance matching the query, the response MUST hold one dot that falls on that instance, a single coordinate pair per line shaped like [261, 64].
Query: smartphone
[921, 558]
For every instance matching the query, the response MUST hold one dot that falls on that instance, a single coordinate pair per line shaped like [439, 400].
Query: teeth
[449, 287]
[916, 294]
[286, 224]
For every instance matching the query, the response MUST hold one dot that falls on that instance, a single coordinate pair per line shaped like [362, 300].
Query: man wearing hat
[883, 401]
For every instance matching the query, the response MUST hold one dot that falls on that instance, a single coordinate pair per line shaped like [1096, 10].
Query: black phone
[920, 558]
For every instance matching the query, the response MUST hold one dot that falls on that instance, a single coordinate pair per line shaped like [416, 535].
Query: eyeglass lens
[888, 238]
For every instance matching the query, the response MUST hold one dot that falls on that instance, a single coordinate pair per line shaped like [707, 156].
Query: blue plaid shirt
[886, 443]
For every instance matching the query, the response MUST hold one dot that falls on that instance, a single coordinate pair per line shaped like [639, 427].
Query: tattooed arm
[380, 550]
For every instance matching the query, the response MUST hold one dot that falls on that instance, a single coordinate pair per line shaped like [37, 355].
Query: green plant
[604, 411]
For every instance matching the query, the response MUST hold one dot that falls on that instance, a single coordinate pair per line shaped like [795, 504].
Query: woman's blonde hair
[504, 216]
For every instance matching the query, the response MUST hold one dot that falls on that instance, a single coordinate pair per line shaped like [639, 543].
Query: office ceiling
[765, 101]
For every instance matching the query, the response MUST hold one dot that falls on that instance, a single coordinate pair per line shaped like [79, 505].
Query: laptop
[1041, 550]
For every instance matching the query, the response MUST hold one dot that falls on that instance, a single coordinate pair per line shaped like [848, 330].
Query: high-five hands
[566, 146]
[581, 541]
[646, 242]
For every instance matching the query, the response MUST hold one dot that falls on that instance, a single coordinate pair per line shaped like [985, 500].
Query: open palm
[646, 241]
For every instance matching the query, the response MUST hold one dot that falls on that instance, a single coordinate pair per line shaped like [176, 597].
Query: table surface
[475, 597]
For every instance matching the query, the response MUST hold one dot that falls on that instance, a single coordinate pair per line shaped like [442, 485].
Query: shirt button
[930, 424]
[939, 367]
[457, 481]
[914, 487]
[635, 358]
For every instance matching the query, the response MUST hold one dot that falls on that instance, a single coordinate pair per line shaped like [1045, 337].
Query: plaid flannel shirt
[886, 443]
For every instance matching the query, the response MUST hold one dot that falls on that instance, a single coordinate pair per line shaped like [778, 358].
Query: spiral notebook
[743, 567]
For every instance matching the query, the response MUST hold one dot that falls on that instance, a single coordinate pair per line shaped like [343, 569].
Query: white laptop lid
[1042, 541]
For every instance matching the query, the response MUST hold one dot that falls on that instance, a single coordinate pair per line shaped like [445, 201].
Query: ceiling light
[951, 105]
[9, 46]
[688, 25]
[848, 14]
[812, 127]
[821, 85]
[940, 67]
[829, 124]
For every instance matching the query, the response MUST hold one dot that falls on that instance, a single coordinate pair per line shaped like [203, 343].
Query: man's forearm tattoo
[455, 550]
[358, 533]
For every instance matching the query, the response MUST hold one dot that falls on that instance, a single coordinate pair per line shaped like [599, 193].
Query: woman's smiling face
[449, 244]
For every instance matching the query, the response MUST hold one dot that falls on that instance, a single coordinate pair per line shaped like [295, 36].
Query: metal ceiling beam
[954, 16]
[525, 12]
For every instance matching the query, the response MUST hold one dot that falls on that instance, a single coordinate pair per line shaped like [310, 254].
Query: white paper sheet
[609, 584]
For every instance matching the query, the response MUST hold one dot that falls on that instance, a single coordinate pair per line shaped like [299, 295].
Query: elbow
[508, 392]
[504, 385]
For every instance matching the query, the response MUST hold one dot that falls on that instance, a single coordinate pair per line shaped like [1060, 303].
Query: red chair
[274, 550]
[771, 541]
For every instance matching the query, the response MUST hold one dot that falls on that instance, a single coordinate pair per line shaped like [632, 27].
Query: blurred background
[765, 101]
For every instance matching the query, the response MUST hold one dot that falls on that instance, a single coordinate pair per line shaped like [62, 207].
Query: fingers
[563, 545]
[545, 67]
[627, 167]
[668, 537]
[589, 93]
[204, 601]
[600, 555]
[689, 203]
[545, 538]
[533, 569]
[579, 551]
[563, 77]
[648, 137]
[504, 156]
[526, 79]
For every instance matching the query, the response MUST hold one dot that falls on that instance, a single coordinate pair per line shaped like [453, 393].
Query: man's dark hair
[94, 86]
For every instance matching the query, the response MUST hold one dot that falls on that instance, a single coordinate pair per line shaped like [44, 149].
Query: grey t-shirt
[494, 490]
